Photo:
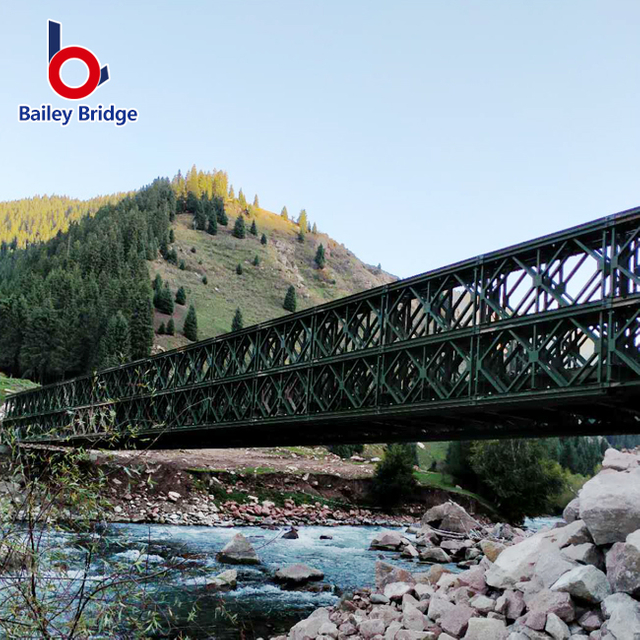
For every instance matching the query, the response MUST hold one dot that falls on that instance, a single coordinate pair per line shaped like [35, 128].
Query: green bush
[394, 480]
[346, 450]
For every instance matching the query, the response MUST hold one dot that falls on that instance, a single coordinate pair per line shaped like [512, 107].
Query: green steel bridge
[541, 338]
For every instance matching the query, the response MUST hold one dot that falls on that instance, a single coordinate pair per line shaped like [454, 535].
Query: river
[257, 608]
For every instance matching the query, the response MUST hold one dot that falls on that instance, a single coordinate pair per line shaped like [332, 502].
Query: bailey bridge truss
[541, 338]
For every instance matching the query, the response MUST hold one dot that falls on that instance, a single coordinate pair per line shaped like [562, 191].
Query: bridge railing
[556, 312]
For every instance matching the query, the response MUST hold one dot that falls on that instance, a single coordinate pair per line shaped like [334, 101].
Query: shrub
[394, 480]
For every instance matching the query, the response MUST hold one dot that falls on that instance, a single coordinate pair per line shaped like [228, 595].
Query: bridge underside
[607, 412]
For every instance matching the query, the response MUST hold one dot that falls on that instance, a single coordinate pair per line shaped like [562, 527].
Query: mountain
[83, 299]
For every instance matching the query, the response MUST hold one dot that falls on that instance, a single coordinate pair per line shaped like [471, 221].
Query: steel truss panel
[538, 337]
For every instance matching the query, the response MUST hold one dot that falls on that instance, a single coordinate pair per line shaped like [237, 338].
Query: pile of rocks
[578, 580]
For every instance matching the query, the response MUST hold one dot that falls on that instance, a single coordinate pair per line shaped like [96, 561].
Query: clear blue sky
[417, 133]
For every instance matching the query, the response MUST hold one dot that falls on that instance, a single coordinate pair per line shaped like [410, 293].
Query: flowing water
[258, 607]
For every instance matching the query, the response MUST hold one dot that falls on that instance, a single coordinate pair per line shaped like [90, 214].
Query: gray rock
[572, 511]
[435, 554]
[387, 573]
[610, 506]
[388, 541]
[455, 620]
[439, 607]
[623, 565]
[551, 566]
[590, 621]
[413, 618]
[556, 628]
[238, 551]
[309, 627]
[395, 590]
[549, 601]
[622, 613]
[370, 628]
[510, 604]
[620, 461]
[450, 516]
[585, 553]
[483, 604]
[584, 582]
[297, 574]
[485, 629]
[379, 598]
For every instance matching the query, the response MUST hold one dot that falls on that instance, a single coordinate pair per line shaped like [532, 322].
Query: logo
[57, 57]
[97, 75]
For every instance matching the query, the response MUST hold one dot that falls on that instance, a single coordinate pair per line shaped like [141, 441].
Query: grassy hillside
[13, 385]
[259, 292]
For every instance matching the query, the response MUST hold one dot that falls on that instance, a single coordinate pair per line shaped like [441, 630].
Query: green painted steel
[539, 338]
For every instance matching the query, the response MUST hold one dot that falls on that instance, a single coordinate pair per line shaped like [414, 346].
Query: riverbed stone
[297, 574]
[492, 549]
[510, 604]
[623, 565]
[388, 541]
[586, 583]
[556, 628]
[238, 551]
[395, 590]
[485, 629]
[551, 566]
[413, 618]
[586, 553]
[370, 628]
[450, 516]
[438, 607]
[610, 506]
[309, 627]
[548, 601]
[387, 573]
[455, 620]
[379, 598]
[434, 554]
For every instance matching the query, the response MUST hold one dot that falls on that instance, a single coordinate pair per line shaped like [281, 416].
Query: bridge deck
[536, 339]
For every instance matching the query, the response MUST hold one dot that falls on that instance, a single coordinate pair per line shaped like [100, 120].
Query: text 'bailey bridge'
[541, 338]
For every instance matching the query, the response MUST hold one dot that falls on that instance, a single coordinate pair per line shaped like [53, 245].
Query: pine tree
[223, 219]
[242, 201]
[190, 328]
[239, 229]
[171, 327]
[300, 236]
[161, 329]
[232, 195]
[181, 296]
[315, 229]
[302, 220]
[212, 228]
[205, 280]
[263, 240]
[239, 269]
[290, 301]
[141, 323]
[157, 283]
[254, 229]
[320, 257]
[164, 301]
[115, 346]
[238, 322]
[183, 266]
[256, 261]
[284, 213]
[256, 202]
[172, 236]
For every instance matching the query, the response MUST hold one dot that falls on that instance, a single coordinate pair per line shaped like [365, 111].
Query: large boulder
[585, 583]
[388, 541]
[238, 551]
[297, 574]
[450, 516]
[310, 627]
[572, 511]
[614, 459]
[610, 505]
[623, 565]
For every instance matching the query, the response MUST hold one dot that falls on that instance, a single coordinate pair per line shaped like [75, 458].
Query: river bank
[246, 487]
